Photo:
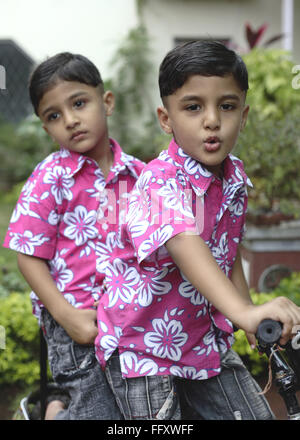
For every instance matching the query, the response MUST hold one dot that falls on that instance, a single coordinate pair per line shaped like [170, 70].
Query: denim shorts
[76, 369]
[231, 395]
[144, 397]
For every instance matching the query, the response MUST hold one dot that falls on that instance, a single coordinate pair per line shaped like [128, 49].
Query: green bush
[256, 363]
[290, 287]
[22, 147]
[270, 150]
[270, 83]
[269, 145]
[10, 280]
[19, 360]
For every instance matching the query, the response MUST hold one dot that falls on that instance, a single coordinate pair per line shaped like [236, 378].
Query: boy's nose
[70, 119]
[211, 119]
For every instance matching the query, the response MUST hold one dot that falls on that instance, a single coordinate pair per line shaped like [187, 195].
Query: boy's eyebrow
[70, 98]
[197, 97]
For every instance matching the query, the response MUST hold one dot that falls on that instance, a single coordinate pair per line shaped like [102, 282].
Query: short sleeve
[160, 207]
[33, 225]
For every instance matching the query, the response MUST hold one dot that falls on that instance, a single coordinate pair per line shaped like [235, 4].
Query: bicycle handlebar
[269, 331]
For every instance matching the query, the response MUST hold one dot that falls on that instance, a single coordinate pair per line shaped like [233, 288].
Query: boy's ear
[109, 102]
[244, 116]
[163, 117]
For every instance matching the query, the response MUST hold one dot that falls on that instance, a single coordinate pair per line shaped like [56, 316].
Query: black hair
[207, 58]
[63, 66]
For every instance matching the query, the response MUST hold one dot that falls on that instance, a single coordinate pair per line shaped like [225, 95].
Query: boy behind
[60, 229]
[170, 303]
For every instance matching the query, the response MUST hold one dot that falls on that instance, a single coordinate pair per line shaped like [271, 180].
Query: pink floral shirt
[159, 322]
[69, 214]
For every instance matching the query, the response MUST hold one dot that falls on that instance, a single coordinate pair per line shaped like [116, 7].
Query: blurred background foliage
[21, 148]
[269, 147]
[270, 143]
[19, 362]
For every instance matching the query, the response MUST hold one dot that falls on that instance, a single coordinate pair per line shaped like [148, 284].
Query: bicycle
[284, 362]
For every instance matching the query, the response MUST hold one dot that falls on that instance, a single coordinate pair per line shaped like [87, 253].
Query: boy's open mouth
[212, 143]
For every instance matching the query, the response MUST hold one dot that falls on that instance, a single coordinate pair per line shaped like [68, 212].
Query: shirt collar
[73, 161]
[200, 177]
[123, 162]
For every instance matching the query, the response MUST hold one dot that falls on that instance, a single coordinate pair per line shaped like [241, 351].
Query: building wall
[296, 51]
[167, 20]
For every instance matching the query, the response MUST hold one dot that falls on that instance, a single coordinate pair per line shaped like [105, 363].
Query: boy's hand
[279, 309]
[251, 339]
[81, 325]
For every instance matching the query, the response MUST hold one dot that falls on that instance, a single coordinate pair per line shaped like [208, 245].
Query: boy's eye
[193, 107]
[53, 116]
[79, 103]
[227, 106]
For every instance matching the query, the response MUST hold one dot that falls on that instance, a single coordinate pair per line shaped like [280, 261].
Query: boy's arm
[194, 258]
[239, 281]
[238, 278]
[79, 324]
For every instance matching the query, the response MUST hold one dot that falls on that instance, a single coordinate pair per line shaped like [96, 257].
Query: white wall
[170, 19]
[93, 28]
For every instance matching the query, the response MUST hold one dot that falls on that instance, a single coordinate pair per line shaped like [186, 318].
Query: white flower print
[138, 228]
[88, 287]
[122, 282]
[53, 218]
[98, 185]
[237, 205]
[174, 198]
[209, 342]
[145, 366]
[109, 343]
[143, 181]
[193, 167]
[157, 239]
[26, 242]
[166, 339]
[23, 206]
[138, 213]
[152, 284]
[220, 253]
[60, 183]
[237, 171]
[103, 200]
[70, 298]
[60, 272]
[104, 250]
[189, 373]
[81, 225]
[187, 290]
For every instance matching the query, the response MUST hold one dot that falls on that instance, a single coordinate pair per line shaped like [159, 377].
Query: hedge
[19, 361]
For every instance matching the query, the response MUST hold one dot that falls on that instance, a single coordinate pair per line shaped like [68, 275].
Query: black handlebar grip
[269, 331]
